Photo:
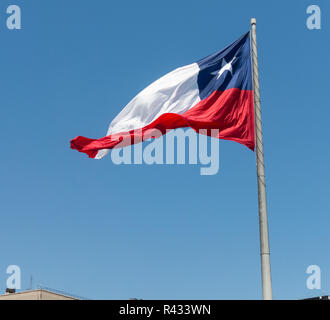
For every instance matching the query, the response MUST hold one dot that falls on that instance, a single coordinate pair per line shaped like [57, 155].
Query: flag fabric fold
[213, 93]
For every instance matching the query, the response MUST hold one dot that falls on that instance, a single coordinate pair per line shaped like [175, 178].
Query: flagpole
[263, 221]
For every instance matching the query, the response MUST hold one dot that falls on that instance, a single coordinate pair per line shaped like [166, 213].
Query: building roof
[38, 294]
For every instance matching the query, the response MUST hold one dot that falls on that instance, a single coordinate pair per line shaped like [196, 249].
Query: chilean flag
[213, 93]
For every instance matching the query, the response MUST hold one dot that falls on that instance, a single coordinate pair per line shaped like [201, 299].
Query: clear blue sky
[158, 232]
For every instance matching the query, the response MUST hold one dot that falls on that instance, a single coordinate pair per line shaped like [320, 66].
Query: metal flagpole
[263, 223]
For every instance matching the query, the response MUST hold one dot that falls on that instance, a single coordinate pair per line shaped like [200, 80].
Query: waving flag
[212, 93]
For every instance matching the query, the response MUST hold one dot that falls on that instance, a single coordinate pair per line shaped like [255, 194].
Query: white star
[225, 66]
